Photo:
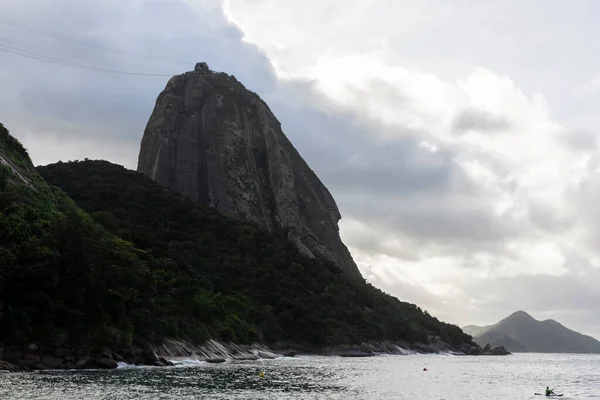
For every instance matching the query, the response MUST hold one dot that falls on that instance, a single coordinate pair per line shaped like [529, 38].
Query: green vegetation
[142, 263]
[280, 295]
[13, 151]
[12, 146]
[66, 281]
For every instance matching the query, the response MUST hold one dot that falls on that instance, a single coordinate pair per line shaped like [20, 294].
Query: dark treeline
[113, 259]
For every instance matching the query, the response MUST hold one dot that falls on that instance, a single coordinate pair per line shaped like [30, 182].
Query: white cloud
[523, 163]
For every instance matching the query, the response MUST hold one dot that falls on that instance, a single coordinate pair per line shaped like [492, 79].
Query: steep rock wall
[218, 143]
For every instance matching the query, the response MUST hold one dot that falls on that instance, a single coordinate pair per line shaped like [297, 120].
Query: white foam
[188, 362]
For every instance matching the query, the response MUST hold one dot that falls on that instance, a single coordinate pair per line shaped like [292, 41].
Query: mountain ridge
[520, 332]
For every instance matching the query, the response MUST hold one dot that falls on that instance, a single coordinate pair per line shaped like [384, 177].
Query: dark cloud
[454, 221]
[374, 244]
[350, 152]
[79, 104]
[393, 184]
[400, 168]
[550, 219]
[472, 119]
[584, 196]
[580, 140]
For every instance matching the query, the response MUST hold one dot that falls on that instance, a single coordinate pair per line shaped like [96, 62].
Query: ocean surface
[306, 378]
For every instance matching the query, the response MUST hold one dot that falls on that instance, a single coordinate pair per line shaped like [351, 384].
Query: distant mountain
[475, 330]
[520, 332]
[496, 339]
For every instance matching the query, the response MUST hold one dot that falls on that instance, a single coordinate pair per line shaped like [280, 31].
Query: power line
[69, 39]
[52, 60]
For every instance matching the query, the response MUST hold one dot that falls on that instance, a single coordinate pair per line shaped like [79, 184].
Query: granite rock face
[218, 143]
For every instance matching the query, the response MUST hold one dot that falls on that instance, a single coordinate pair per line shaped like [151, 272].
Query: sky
[459, 139]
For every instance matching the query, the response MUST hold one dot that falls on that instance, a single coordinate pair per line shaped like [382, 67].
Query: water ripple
[332, 378]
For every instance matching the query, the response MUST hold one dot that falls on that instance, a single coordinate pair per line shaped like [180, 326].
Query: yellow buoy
[262, 374]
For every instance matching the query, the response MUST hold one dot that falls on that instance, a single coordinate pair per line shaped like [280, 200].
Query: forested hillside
[129, 262]
[272, 293]
[65, 281]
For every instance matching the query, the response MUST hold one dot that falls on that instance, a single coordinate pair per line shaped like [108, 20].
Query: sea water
[384, 377]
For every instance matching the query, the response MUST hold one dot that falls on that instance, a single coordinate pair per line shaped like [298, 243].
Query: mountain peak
[202, 67]
[214, 141]
[520, 314]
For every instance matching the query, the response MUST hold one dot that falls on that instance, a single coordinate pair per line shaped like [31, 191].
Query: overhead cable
[69, 39]
[41, 57]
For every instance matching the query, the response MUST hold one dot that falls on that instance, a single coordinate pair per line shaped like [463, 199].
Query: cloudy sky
[460, 139]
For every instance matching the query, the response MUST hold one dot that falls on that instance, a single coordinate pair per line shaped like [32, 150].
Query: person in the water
[549, 392]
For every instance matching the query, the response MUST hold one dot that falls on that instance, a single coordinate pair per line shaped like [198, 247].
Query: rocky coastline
[402, 348]
[34, 358]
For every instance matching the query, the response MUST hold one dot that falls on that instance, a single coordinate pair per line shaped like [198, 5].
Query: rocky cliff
[218, 143]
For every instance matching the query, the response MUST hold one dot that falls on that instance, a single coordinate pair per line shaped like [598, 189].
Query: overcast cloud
[460, 139]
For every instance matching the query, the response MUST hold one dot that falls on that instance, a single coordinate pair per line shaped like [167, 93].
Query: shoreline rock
[486, 351]
[24, 359]
[6, 366]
